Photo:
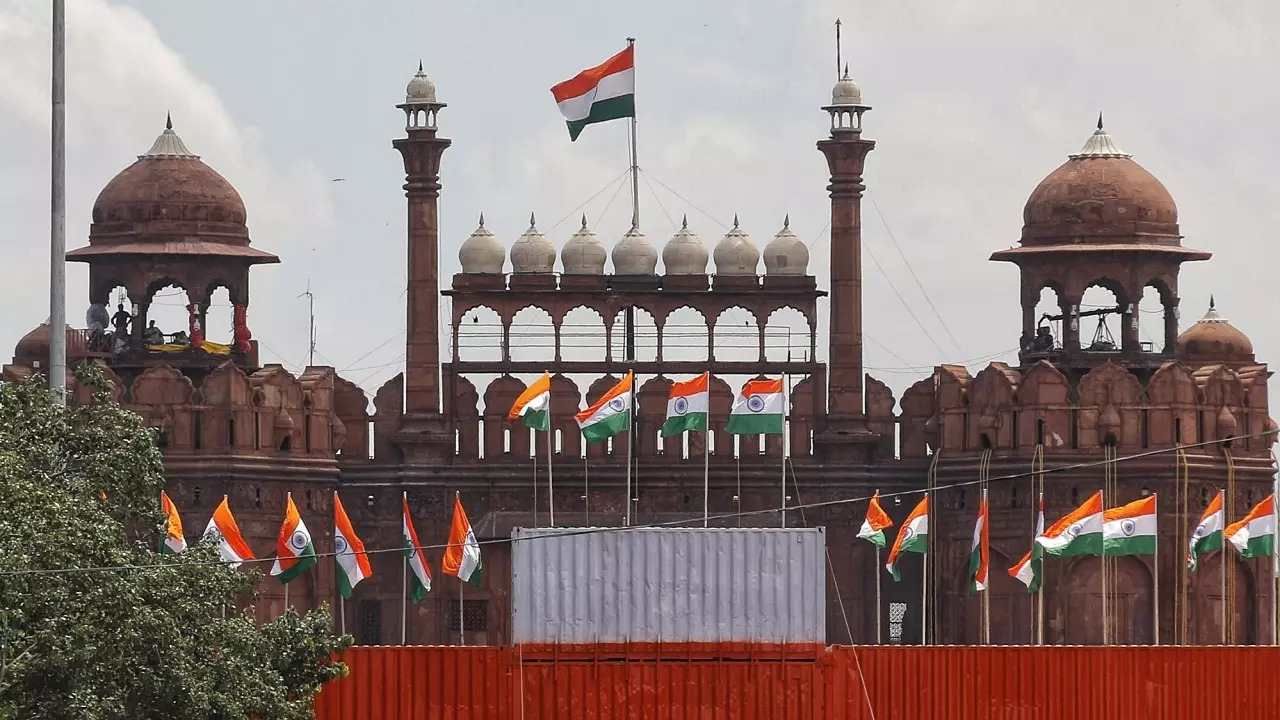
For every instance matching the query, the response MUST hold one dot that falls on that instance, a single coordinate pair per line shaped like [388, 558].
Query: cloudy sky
[974, 103]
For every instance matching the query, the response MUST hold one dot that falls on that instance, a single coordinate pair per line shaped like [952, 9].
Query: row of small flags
[296, 553]
[758, 409]
[1087, 530]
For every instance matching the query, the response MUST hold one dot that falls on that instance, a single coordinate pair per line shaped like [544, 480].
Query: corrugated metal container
[668, 585]
[780, 683]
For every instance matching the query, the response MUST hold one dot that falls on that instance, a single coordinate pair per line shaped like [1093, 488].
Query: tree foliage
[146, 638]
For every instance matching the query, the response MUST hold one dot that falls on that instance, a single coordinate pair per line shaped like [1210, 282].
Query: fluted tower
[422, 435]
[845, 436]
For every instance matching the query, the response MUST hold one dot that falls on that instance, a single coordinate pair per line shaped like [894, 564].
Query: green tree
[94, 624]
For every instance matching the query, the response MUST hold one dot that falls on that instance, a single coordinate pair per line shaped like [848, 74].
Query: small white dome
[583, 254]
[420, 90]
[482, 254]
[786, 254]
[736, 254]
[846, 92]
[635, 255]
[533, 252]
[684, 253]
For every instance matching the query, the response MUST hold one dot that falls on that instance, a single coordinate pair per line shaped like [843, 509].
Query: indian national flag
[462, 556]
[223, 530]
[173, 541]
[419, 574]
[877, 520]
[605, 92]
[1027, 571]
[1207, 537]
[294, 551]
[610, 415]
[1079, 533]
[1255, 535]
[348, 551]
[980, 551]
[1130, 529]
[758, 409]
[687, 406]
[913, 537]
[533, 407]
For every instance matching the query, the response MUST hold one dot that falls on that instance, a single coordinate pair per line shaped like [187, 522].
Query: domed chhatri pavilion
[230, 426]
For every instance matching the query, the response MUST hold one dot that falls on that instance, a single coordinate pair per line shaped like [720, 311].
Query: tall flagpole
[706, 460]
[551, 496]
[984, 548]
[635, 164]
[342, 614]
[404, 582]
[785, 381]
[462, 615]
[631, 440]
[879, 605]
[1222, 564]
[1155, 577]
[1105, 617]
[58, 211]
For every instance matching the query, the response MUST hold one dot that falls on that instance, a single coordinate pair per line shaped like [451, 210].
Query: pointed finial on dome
[735, 221]
[532, 221]
[786, 222]
[1100, 145]
[1210, 301]
[168, 121]
[684, 222]
[846, 71]
[1099, 119]
[584, 221]
[419, 65]
[481, 218]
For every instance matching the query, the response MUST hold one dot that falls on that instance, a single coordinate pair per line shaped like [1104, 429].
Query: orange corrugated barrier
[675, 682]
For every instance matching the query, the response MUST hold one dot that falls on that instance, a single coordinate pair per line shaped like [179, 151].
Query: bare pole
[1155, 577]
[631, 423]
[838, 49]
[1223, 556]
[462, 615]
[311, 312]
[342, 614]
[879, 605]
[551, 497]
[786, 380]
[1106, 637]
[706, 463]
[404, 584]
[635, 163]
[58, 210]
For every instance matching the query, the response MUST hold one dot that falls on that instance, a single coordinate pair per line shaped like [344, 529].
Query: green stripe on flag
[1205, 545]
[677, 424]
[607, 427]
[615, 108]
[536, 419]
[1261, 546]
[1090, 544]
[306, 559]
[753, 424]
[344, 582]
[1141, 545]
[876, 538]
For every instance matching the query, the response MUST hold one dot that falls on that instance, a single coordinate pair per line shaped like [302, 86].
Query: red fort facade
[230, 425]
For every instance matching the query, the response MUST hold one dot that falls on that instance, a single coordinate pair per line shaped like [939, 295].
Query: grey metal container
[604, 585]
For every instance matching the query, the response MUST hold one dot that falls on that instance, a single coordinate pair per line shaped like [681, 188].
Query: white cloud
[121, 81]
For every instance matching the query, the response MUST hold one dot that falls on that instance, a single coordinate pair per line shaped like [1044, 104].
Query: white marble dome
[735, 254]
[420, 90]
[786, 254]
[482, 254]
[846, 92]
[684, 253]
[635, 255]
[583, 254]
[533, 252]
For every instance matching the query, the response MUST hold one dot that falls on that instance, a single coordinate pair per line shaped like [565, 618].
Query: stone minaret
[423, 431]
[845, 435]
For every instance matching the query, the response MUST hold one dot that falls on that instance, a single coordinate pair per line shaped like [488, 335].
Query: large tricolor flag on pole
[877, 521]
[610, 415]
[1207, 537]
[1130, 529]
[604, 92]
[294, 551]
[687, 406]
[223, 530]
[348, 551]
[1255, 535]
[419, 574]
[1078, 533]
[980, 551]
[913, 537]
[462, 556]
[1027, 571]
[173, 541]
[533, 407]
[758, 409]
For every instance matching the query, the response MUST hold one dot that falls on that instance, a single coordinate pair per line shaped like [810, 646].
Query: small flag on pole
[1027, 571]
[610, 415]
[759, 409]
[980, 553]
[173, 541]
[222, 529]
[1130, 529]
[294, 551]
[462, 556]
[533, 407]
[348, 551]
[604, 92]
[913, 537]
[687, 406]
[1077, 533]
[1255, 535]
[1207, 536]
[877, 521]
[420, 574]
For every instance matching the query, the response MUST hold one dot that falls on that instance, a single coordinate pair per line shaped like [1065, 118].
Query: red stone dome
[1213, 339]
[168, 191]
[1100, 196]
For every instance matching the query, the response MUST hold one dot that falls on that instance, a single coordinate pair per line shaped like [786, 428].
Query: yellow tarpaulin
[209, 346]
